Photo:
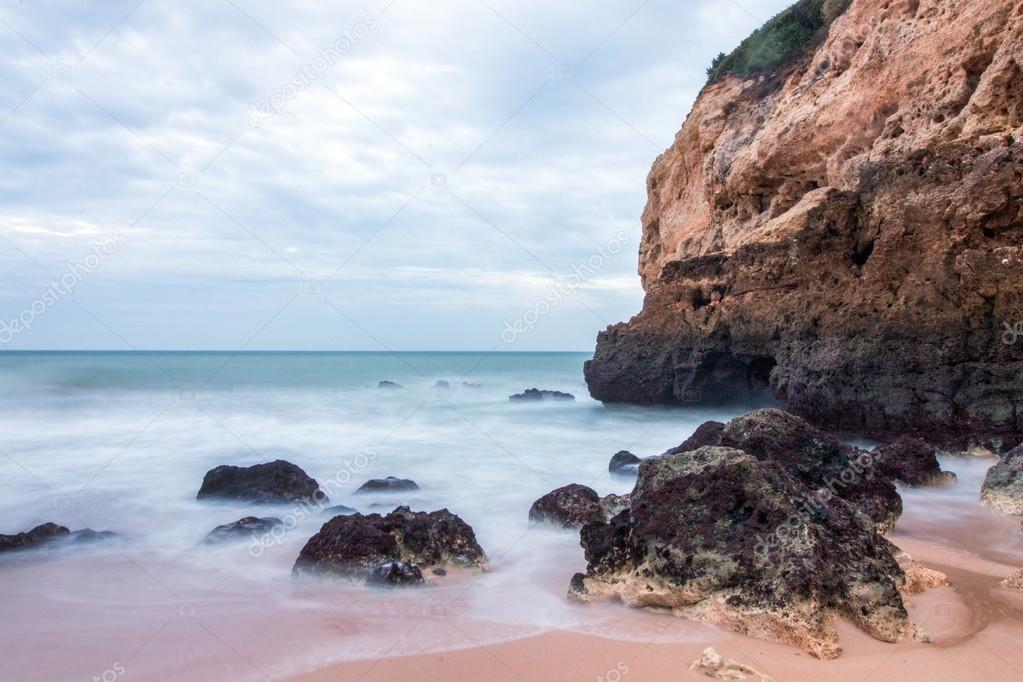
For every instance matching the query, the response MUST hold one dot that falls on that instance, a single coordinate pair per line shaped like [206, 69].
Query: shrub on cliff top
[783, 37]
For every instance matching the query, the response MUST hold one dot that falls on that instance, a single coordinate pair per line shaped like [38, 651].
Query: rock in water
[389, 384]
[842, 232]
[723, 537]
[911, 461]
[40, 535]
[365, 547]
[242, 529]
[574, 505]
[1003, 485]
[387, 485]
[396, 574]
[624, 463]
[537, 394]
[274, 482]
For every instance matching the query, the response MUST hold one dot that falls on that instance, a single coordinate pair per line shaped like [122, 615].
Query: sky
[382, 175]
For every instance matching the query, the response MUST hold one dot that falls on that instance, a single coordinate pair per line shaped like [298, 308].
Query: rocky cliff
[843, 232]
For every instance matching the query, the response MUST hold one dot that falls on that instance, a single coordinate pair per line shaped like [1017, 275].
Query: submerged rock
[574, 505]
[911, 461]
[387, 485]
[273, 482]
[242, 529]
[363, 547]
[624, 463]
[1003, 485]
[721, 536]
[441, 383]
[339, 509]
[37, 537]
[389, 384]
[537, 394]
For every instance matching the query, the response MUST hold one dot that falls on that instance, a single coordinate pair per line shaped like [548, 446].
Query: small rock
[574, 505]
[387, 485]
[624, 463]
[911, 461]
[712, 664]
[1014, 581]
[88, 535]
[339, 509]
[537, 394]
[242, 529]
[439, 571]
[395, 574]
[273, 482]
[389, 384]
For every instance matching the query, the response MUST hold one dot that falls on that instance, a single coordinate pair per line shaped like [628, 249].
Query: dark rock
[37, 537]
[387, 485]
[911, 461]
[707, 433]
[88, 535]
[439, 571]
[395, 574]
[272, 482]
[1003, 485]
[537, 394]
[353, 547]
[441, 383]
[574, 505]
[242, 529]
[817, 460]
[624, 462]
[721, 536]
[389, 384]
[339, 509]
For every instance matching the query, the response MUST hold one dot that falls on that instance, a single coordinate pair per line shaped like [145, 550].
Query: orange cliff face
[844, 233]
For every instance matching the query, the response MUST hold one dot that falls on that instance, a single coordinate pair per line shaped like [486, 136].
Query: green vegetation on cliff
[783, 37]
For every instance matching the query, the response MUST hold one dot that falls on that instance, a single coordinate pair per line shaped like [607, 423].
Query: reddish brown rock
[843, 234]
[912, 462]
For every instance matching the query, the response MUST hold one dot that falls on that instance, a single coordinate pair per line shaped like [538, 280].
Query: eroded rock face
[574, 505]
[277, 482]
[843, 234]
[721, 536]
[1003, 485]
[367, 547]
[912, 462]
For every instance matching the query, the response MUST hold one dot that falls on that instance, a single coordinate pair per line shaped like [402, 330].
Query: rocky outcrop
[574, 505]
[721, 536]
[842, 234]
[1003, 485]
[276, 482]
[374, 548]
[388, 485]
[538, 394]
[624, 463]
[242, 529]
[911, 461]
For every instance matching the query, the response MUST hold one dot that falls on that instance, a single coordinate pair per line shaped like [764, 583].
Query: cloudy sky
[406, 174]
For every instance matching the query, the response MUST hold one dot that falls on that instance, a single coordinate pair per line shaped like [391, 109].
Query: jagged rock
[395, 574]
[273, 482]
[718, 535]
[242, 529]
[339, 509]
[537, 394]
[911, 461]
[624, 463]
[713, 664]
[387, 485]
[389, 384]
[357, 546]
[707, 433]
[842, 233]
[1003, 485]
[573, 505]
[817, 459]
[37, 537]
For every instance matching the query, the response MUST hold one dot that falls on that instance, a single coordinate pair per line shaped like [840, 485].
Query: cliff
[843, 233]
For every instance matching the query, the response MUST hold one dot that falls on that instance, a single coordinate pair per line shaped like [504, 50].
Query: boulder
[361, 547]
[1003, 485]
[42, 534]
[721, 536]
[242, 529]
[273, 482]
[911, 461]
[574, 505]
[817, 459]
[387, 485]
[537, 394]
[624, 463]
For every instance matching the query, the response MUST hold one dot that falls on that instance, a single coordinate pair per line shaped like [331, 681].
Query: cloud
[452, 159]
